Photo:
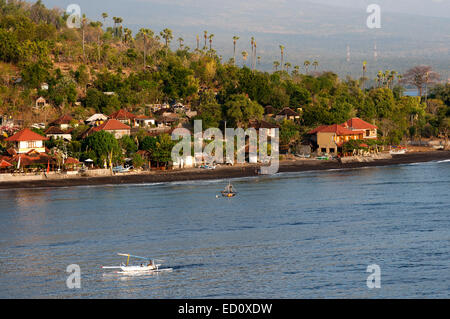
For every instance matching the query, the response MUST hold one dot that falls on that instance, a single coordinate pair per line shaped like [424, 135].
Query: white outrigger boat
[149, 265]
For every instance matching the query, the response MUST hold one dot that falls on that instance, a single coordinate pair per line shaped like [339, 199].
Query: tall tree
[180, 41]
[211, 36]
[244, 56]
[235, 38]
[306, 64]
[276, 64]
[146, 35]
[205, 35]
[282, 56]
[104, 16]
[315, 65]
[167, 35]
[419, 76]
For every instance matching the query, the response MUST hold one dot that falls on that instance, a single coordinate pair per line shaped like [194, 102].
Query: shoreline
[224, 172]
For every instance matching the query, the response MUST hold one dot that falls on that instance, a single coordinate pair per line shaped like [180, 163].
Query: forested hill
[154, 66]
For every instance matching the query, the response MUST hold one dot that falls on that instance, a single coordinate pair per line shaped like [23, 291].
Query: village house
[40, 102]
[329, 139]
[124, 116]
[144, 121]
[26, 140]
[356, 124]
[54, 132]
[118, 129]
[287, 114]
[64, 122]
[257, 125]
[96, 119]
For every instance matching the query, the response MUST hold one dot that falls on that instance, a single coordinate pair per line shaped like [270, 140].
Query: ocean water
[292, 235]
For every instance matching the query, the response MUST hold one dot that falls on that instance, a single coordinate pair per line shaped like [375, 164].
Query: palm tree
[276, 64]
[379, 79]
[205, 35]
[166, 34]
[296, 70]
[104, 15]
[287, 65]
[315, 65]
[211, 36]
[244, 56]
[282, 55]
[128, 35]
[364, 74]
[180, 41]
[306, 64]
[254, 54]
[146, 34]
[252, 42]
[83, 30]
[235, 38]
[392, 78]
[198, 42]
[259, 60]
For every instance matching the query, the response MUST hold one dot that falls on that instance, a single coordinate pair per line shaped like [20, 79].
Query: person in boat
[150, 263]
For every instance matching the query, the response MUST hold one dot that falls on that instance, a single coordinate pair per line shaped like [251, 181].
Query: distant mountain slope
[307, 30]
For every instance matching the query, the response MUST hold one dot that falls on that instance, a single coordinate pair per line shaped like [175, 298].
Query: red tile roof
[335, 128]
[71, 160]
[65, 119]
[122, 115]
[358, 124]
[26, 135]
[109, 125]
[5, 164]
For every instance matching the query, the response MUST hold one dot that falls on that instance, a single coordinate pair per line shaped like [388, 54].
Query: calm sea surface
[296, 235]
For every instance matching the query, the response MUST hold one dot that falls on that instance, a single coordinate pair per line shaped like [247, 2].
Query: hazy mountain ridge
[307, 30]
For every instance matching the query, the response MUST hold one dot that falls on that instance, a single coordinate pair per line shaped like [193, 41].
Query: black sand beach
[226, 172]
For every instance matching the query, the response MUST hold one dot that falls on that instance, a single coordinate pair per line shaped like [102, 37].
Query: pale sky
[438, 8]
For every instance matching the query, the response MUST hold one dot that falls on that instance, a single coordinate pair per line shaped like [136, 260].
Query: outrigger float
[149, 265]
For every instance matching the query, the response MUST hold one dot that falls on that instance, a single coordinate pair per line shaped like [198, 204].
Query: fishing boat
[229, 191]
[398, 151]
[148, 265]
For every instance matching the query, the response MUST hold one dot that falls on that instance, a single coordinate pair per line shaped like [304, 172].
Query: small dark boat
[229, 191]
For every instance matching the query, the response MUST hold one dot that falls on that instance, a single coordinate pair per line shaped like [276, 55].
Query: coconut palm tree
[211, 36]
[244, 56]
[276, 64]
[364, 74]
[205, 35]
[306, 64]
[296, 70]
[198, 42]
[282, 55]
[180, 41]
[254, 54]
[315, 65]
[83, 31]
[235, 38]
[105, 16]
[146, 34]
[252, 41]
[166, 34]
[287, 66]
[259, 60]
